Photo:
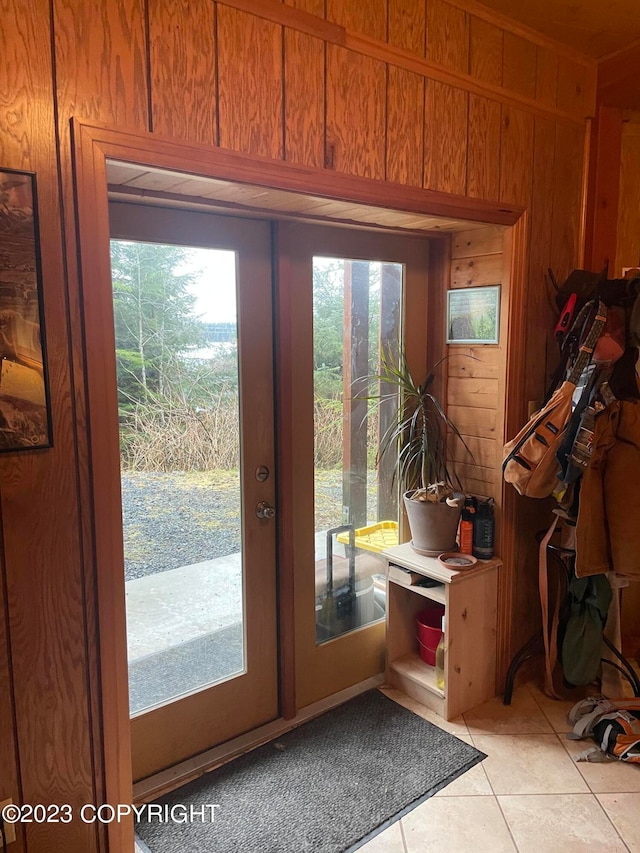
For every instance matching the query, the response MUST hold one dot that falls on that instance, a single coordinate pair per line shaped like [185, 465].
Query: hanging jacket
[607, 531]
[582, 643]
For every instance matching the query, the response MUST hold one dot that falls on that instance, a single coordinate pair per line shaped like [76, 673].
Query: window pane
[356, 316]
[177, 363]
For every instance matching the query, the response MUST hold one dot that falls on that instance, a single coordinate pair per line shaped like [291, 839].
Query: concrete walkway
[174, 607]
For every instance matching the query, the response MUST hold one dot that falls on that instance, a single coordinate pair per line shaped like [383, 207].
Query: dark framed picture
[25, 418]
[473, 315]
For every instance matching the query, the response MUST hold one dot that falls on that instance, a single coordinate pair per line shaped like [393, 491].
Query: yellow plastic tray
[376, 537]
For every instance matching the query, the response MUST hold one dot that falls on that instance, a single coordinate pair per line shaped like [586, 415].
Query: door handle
[265, 510]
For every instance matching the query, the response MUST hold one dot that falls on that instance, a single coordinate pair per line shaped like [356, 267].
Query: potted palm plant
[417, 438]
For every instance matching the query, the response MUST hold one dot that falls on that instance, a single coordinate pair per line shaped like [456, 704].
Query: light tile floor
[528, 795]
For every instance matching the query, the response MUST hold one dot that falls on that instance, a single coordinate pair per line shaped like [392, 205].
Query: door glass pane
[356, 316]
[177, 363]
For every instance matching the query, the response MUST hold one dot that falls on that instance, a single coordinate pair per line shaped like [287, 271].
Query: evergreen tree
[154, 317]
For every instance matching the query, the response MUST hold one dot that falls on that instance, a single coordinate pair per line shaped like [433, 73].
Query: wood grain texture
[369, 18]
[516, 156]
[355, 141]
[485, 50]
[481, 421]
[407, 25]
[101, 60]
[547, 76]
[539, 295]
[445, 138]
[566, 201]
[447, 35]
[628, 240]
[42, 557]
[483, 167]
[477, 241]
[314, 7]
[602, 213]
[571, 86]
[405, 118]
[478, 361]
[293, 15]
[478, 451]
[9, 783]
[476, 271]
[617, 82]
[182, 63]
[472, 392]
[250, 61]
[304, 99]
[519, 68]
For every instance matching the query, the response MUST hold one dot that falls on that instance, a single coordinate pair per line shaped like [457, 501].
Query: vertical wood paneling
[182, 63]
[445, 138]
[483, 167]
[101, 63]
[571, 86]
[628, 240]
[566, 200]
[369, 18]
[101, 60]
[604, 191]
[304, 98]
[40, 538]
[9, 780]
[314, 7]
[516, 156]
[447, 35]
[249, 83]
[405, 112]
[546, 76]
[485, 51]
[519, 68]
[355, 137]
[101, 73]
[407, 25]
[539, 259]
[475, 374]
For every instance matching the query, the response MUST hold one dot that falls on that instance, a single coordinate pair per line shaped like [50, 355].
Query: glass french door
[347, 291]
[193, 329]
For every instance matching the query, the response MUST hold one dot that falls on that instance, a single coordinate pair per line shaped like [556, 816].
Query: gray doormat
[325, 787]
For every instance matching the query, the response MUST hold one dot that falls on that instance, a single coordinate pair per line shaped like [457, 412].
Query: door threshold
[174, 777]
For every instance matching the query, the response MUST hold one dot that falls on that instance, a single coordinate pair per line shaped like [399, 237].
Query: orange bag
[530, 462]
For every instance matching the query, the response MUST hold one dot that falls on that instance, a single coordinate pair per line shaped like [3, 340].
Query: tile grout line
[606, 814]
[402, 836]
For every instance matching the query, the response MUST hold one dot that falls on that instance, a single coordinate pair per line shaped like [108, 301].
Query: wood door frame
[92, 146]
[245, 700]
[329, 667]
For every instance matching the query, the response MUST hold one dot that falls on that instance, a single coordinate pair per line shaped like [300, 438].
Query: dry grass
[170, 436]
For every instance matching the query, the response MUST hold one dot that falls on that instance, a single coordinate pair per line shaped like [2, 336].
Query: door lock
[265, 510]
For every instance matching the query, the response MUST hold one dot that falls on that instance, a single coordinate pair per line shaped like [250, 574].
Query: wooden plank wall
[421, 94]
[628, 233]
[628, 255]
[476, 374]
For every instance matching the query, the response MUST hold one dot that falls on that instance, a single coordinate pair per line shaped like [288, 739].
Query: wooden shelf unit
[470, 600]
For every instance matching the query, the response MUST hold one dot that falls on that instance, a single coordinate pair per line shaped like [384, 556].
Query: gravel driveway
[180, 518]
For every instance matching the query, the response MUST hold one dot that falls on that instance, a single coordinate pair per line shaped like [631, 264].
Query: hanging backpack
[614, 724]
[530, 461]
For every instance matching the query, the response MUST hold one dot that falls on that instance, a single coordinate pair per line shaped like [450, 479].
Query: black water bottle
[484, 530]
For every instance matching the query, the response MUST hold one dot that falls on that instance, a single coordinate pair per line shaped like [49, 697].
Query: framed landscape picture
[25, 421]
[473, 315]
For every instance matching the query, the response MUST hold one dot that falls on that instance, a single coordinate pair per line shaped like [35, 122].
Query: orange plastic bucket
[429, 624]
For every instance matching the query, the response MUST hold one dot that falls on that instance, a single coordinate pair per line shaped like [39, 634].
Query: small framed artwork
[25, 418]
[473, 315]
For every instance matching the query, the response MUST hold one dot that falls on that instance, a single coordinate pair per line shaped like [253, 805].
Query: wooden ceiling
[128, 182]
[595, 28]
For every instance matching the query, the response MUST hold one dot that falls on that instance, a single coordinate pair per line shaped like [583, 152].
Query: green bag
[590, 598]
